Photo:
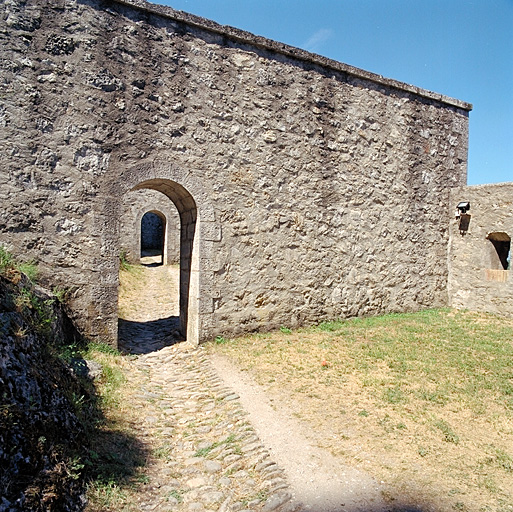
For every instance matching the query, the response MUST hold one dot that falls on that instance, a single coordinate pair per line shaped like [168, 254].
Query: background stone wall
[478, 280]
[307, 189]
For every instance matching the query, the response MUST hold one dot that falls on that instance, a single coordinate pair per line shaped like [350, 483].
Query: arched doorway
[198, 229]
[499, 251]
[153, 236]
[155, 226]
[188, 213]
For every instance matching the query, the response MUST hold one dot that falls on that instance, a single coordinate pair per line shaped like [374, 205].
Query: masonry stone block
[211, 232]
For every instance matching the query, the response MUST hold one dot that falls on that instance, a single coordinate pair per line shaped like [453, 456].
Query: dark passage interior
[500, 255]
[153, 232]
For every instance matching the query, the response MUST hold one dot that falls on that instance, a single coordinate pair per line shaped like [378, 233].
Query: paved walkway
[206, 453]
[210, 458]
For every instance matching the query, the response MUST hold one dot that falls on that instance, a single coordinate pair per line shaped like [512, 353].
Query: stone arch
[199, 234]
[153, 228]
[499, 251]
[134, 205]
[189, 258]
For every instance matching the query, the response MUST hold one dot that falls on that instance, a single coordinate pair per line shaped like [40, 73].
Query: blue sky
[460, 48]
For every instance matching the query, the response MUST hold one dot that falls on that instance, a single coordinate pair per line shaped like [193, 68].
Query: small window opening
[500, 251]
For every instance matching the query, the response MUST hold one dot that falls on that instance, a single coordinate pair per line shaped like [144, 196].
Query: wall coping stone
[503, 184]
[243, 36]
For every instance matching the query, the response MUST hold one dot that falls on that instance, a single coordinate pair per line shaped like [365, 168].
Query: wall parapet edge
[293, 52]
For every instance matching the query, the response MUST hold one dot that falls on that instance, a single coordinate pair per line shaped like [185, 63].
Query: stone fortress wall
[306, 189]
[480, 249]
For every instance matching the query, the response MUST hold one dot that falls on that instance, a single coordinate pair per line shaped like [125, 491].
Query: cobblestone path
[205, 453]
[209, 457]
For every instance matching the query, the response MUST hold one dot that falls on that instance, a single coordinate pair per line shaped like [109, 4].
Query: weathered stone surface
[478, 279]
[40, 431]
[325, 187]
[212, 466]
[276, 501]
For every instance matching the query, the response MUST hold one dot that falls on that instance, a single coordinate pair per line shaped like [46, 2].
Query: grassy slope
[424, 401]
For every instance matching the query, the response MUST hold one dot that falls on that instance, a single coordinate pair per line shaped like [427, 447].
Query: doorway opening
[499, 251]
[149, 327]
[153, 238]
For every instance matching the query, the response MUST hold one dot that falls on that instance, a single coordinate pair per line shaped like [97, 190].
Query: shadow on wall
[146, 337]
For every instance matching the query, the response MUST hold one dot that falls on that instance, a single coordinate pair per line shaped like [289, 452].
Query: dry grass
[132, 282]
[140, 286]
[118, 459]
[422, 401]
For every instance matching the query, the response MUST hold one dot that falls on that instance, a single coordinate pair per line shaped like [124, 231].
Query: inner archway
[153, 235]
[188, 316]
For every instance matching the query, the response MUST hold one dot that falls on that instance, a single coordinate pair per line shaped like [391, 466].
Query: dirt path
[318, 480]
[276, 458]
[149, 308]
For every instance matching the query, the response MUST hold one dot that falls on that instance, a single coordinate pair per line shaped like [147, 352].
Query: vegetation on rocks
[53, 436]
[42, 403]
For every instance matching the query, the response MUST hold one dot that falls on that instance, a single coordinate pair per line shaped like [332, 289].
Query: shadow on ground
[371, 508]
[152, 264]
[116, 459]
[146, 337]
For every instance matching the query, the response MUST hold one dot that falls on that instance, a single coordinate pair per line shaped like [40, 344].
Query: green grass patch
[6, 259]
[434, 386]
[9, 263]
[106, 494]
[163, 452]
[29, 268]
[230, 440]
[177, 494]
[449, 435]
[457, 358]
[126, 266]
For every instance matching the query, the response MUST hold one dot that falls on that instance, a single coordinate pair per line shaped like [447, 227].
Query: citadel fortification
[306, 189]
[480, 249]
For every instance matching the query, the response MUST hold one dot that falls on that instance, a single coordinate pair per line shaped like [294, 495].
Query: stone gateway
[305, 189]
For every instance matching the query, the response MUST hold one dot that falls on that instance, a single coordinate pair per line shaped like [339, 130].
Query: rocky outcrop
[42, 402]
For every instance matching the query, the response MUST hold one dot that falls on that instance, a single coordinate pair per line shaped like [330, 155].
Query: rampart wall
[306, 189]
[480, 249]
